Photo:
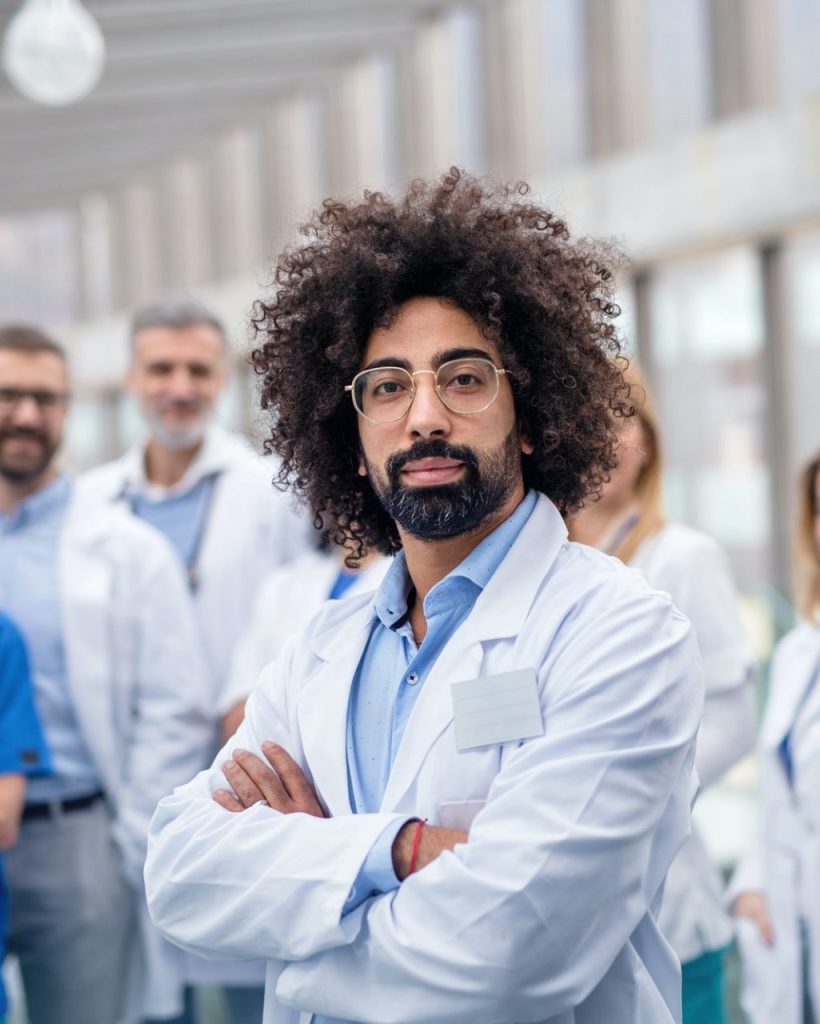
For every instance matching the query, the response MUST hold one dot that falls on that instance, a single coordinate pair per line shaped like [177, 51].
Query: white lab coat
[285, 602]
[546, 914]
[137, 685]
[694, 570]
[785, 865]
[251, 528]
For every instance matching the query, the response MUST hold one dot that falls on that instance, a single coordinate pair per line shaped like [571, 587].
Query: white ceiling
[178, 73]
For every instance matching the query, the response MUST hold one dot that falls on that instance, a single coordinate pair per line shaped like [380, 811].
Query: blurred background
[688, 131]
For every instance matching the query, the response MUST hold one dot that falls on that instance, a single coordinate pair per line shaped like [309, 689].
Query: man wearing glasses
[118, 686]
[457, 799]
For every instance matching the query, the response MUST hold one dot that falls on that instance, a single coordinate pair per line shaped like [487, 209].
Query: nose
[180, 383]
[428, 416]
[27, 412]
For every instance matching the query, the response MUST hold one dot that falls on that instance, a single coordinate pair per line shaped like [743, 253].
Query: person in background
[119, 689]
[213, 499]
[23, 755]
[775, 891]
[286, 601]
[628, 521]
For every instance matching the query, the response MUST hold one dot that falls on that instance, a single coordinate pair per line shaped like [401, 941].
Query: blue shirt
[22, 747]
[390, 677]
[181, 517]
[29, 593]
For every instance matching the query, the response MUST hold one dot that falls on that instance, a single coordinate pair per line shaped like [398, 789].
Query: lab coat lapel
[323, 708]
[799, 672]
[500, 611]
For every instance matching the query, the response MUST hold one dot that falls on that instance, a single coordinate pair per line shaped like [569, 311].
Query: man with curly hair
[455, 799]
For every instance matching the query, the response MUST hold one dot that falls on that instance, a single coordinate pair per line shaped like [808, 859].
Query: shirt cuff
[376, 874]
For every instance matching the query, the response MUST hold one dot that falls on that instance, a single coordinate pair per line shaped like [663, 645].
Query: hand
[753, 905]
[231, 720]
[434, 840]
[284, 788]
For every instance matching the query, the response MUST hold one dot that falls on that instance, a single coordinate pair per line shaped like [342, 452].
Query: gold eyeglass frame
[351, 387]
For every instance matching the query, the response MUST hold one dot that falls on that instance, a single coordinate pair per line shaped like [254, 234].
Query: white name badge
[496, 709]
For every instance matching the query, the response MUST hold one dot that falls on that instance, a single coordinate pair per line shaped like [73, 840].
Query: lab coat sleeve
[700, 584]
[522, 921]
[171, 731]
[259, 884]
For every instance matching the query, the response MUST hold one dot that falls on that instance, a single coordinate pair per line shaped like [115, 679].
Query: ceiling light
[53, 51]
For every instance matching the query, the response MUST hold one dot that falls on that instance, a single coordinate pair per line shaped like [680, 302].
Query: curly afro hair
[543, 299]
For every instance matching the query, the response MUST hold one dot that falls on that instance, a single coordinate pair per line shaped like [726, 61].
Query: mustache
[435, 449]
[179, 405]
[9, 433]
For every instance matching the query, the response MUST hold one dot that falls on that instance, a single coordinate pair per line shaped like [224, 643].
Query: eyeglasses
[466, 386]
[46, 401]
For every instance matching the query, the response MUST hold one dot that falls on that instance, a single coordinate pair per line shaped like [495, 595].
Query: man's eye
[387, 388]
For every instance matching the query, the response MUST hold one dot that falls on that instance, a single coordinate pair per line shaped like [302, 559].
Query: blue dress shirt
[29, 593]
[182, 518]
[391, 674]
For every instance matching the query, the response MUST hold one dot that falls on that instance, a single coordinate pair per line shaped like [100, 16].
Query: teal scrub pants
[703, 1001]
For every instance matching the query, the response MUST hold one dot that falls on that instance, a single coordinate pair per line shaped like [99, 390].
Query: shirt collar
[214, 456]
[390, 604]
[42, 503]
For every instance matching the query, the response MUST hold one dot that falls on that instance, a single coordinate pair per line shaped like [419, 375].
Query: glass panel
[564, 80]
[678, 66]
[707, 338]
[802, 272]
[39, 272]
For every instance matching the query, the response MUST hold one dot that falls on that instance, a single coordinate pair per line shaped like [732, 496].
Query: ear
[527, 447]
[362, 470]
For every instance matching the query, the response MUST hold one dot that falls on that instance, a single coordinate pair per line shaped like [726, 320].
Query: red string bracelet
[414, 851]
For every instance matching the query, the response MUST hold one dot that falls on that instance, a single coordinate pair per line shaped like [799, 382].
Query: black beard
[449, 510]
[21, 475]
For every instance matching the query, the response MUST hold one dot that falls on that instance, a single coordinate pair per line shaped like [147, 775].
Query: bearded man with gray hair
[212, 497]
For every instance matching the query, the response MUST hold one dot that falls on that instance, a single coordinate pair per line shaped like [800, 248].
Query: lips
[431, 470]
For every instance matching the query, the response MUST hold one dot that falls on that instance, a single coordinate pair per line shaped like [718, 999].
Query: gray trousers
[72, 918]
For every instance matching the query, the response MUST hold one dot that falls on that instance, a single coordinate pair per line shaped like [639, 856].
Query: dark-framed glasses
[45, 400]
[384, 394]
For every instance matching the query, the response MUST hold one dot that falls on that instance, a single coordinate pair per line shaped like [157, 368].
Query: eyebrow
[438, 358]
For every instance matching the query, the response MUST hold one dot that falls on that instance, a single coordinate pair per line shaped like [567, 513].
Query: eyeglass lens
[46, 401]
[385, 393]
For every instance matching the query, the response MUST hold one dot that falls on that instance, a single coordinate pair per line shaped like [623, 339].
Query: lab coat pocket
[459, 813]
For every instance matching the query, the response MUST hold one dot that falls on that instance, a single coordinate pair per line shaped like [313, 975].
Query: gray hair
[176, 313]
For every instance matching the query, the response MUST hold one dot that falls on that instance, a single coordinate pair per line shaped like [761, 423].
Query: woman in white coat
[775, 892]
[629, 522]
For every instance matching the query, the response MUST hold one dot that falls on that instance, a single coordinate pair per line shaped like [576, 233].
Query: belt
[54, 808]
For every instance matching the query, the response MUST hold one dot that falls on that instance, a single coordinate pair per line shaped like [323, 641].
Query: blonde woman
[775, 894]
[629, 522]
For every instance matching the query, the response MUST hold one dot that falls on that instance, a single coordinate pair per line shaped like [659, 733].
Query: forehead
[32, 370]
[199, 343]
[423, 328]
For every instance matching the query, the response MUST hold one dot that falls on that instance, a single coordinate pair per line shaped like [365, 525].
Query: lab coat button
[413, 678]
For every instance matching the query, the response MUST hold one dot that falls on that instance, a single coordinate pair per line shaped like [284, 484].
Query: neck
[13, 492]
[596, 523]
[429, 561]
[167, 466]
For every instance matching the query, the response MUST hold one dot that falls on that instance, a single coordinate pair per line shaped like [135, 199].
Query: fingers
[289, 772]
[265, 781]
[301, 792]
[227, 800]
[247, 791]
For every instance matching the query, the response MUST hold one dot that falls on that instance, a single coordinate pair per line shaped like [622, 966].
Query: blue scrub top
[22, 746]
